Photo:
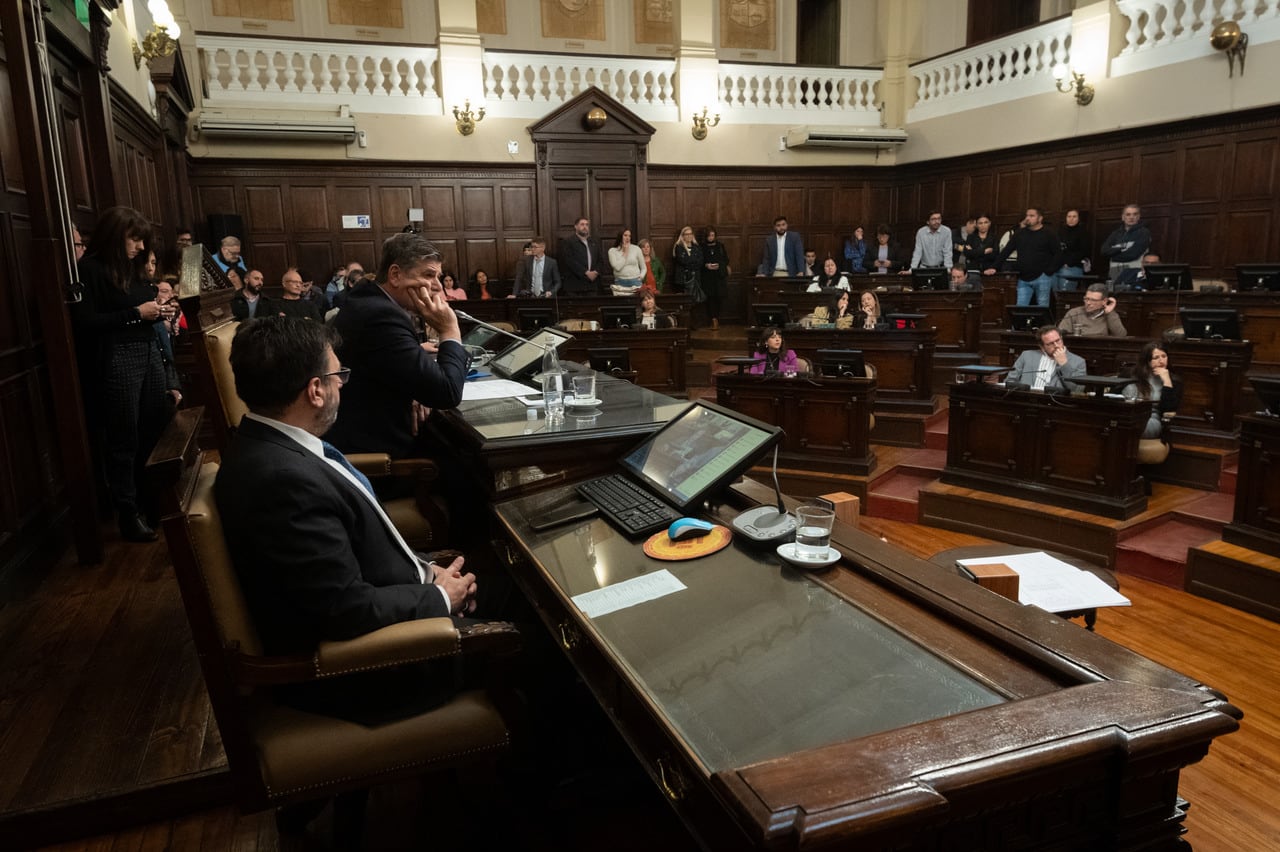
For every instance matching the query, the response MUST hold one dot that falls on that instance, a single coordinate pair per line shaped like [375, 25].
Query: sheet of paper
[1054, 585]
[495, 389]
[628, 593]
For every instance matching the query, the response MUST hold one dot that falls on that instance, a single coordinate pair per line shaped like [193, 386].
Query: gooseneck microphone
[767, 524]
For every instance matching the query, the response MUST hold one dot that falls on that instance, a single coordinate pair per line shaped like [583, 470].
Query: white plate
[788, 552]
[582, 403]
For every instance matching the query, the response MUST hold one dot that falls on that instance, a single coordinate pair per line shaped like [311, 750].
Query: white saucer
[582, 403]
[788, 552]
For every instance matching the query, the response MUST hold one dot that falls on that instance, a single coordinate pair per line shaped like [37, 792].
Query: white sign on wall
[362, 221]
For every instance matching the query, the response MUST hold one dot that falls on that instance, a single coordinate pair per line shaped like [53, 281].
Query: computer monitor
[902, 321]
[1210, 323]
[1167, 276]
[1268, 390]
[524, 358]
[617, 316]
[609, 359]
[1258, 276]
[1028, 317]
[531, 319]
[766, 315]
[841, 363]
[481, 336]
[930, 278]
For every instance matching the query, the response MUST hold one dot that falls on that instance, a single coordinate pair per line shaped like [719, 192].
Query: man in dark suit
[396, 378]
[783, 252]
[537, 274]
[317, 556]
[581, 260]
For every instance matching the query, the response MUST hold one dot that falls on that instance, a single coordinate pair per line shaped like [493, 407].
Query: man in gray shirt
[933, 245]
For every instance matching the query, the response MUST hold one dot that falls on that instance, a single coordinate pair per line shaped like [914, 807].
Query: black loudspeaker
[223, 225]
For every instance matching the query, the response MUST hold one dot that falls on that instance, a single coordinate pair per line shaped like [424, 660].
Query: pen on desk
[969, 575]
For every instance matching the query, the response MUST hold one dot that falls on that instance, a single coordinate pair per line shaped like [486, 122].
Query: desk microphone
[767, 524]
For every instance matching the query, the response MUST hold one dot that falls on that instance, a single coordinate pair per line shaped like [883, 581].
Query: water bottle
[552, 386]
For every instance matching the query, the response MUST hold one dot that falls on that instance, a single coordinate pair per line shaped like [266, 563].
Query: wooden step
[1236, 576]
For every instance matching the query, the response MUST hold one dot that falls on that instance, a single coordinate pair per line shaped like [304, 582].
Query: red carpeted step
[1159, 553]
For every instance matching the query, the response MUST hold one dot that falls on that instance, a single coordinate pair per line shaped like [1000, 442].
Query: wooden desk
[1255, 524]
[1076, 452]
[877, 704]
[571, 307]
[510, 452]
[903, 359]
[827, 421]
[1212, 371]
[658, 355]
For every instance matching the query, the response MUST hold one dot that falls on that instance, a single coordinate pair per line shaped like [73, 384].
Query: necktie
[537, 276]
[333, 453]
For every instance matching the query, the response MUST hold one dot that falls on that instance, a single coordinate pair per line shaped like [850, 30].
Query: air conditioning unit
[337, 129]
[845, 137]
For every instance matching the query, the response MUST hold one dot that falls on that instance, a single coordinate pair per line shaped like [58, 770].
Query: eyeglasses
[344, 375]
[80, 245]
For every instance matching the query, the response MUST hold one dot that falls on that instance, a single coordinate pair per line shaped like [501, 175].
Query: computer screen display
[1210, 323]
[617, 316]
[609, 359]
[841, 363]
[1258, 276]
[482, 336]
[930, 279]
[532, 319]
[523, 359]
[700, 450]
[1167, 276]
[769, 315]
[1268, 390]
[1028, 317]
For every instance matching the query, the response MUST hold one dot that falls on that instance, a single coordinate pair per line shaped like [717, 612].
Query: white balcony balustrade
[1162, 32]
[772, 94]
[527, 85]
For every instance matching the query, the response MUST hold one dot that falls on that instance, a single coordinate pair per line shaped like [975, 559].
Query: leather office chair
[422, 519]
[871, 417]
[279, 755]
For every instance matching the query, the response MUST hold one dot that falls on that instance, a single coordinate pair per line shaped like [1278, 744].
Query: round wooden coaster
[659, 546]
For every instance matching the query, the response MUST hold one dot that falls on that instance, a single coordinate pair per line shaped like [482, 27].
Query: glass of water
[813, 532]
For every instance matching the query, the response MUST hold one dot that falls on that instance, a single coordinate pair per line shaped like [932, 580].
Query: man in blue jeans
[1039, 257]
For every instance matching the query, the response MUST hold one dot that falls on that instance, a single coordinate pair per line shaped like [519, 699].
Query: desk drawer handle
[569, 636]
[673, 781]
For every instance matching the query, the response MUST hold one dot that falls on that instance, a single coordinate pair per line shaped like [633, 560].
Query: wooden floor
[100, 695]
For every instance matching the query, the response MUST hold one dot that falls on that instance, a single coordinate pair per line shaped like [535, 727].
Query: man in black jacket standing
[1039, 256]
[581, 260]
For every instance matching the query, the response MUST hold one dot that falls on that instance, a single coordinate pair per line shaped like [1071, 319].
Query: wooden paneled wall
[1208, 189]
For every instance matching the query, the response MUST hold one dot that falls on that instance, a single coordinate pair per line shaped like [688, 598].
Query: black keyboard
[627, 505]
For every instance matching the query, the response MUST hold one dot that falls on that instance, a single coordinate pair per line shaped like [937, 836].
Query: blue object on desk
[477, 374]
[683, 528]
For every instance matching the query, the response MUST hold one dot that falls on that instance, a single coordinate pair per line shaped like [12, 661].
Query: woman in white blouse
[628, 265]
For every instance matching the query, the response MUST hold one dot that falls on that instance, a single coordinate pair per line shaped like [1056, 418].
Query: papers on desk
[628, 593]
[495, 389]
[1054, 585]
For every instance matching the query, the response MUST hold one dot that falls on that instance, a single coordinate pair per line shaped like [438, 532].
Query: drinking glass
[813, 532]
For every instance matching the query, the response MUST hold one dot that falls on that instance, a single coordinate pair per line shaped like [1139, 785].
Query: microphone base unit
[764, 525]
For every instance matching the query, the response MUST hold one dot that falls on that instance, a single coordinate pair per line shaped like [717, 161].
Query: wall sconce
[1230, 39]
[466, 119]
[1076, 85]
[162, 38]
[701, 123]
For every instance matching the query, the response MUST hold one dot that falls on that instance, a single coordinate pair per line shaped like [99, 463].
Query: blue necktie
[332, 452]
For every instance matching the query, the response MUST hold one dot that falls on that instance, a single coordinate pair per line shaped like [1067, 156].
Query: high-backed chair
[279, 755]
[422, 519]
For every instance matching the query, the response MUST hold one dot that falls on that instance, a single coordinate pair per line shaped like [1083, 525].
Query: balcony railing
[525, 85]
[1016, 66]
[770, 94]
[1162, 32]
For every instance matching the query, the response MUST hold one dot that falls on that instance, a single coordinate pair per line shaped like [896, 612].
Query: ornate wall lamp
[1234, 42]
[1076, 85]
[466, 119]
[162, 38]
[701, 123]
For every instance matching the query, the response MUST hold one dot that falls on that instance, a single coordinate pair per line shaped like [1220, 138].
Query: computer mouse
[685, 528]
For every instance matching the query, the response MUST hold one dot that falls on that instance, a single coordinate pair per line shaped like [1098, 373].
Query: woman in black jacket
[1075, 252]
[715, 274]
[686, 254]
[1154, 382]
[981, 249]
[125, 383]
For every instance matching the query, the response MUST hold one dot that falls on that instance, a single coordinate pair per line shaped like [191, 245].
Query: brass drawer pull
[674, 783]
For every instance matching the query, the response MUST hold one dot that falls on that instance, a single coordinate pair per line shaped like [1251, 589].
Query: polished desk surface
[876, 704]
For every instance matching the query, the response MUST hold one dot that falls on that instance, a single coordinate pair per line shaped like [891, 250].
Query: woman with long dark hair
[124, 380]
[715, 274]
[1154, 382]
[773, 355]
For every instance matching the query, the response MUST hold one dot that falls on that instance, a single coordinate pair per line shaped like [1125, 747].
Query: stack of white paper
[1054, 585]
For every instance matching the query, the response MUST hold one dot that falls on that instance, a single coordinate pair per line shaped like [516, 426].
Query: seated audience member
[291, 303]
[344, 278]
[959, 279]
[1051, 366]
[395, 378]
[773, 358]
[1156, 384]
[1138, 279]
[649, 316]
[452, 291]
[182, 237]
[312, 293]
[1097, 317]
[829, 277]
[884, 256]
[249, 302]
[537, 274]
[811, 267]
[227, 257]
[655, 274]
[480, 285]
[318, 558]
[838, 313]
[869, 316]
[164, 295]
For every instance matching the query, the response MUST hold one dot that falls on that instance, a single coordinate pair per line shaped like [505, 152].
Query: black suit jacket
[389, 369]
[572, 255]
[550, 276]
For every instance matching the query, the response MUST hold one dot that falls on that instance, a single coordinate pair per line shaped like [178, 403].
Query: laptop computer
[698, 452]
[524, 358]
